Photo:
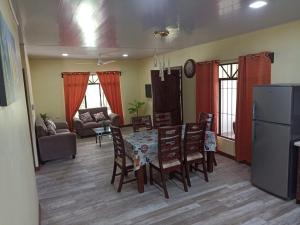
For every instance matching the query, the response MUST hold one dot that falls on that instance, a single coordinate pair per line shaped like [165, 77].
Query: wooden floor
[78, 192]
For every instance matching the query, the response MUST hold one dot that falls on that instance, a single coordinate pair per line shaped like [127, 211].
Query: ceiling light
[258, 4]
[125, 55]
[65, 54]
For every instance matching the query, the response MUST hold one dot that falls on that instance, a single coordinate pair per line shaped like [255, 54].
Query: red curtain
[253, 70]
[75, 85]
[110, 82]
[207, 90]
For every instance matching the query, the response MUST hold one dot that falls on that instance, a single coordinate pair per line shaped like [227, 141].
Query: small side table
[100, 132]
[298, 174]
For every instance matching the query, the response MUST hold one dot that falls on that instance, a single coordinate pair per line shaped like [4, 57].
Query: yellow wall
[283, 40]
[48, 84]
[18, 194]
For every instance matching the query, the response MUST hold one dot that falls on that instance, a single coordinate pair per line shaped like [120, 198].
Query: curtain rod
[63, 73]
[271, 55]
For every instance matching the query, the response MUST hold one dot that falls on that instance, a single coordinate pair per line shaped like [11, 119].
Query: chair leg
[191, 168]
[121, 180]
[183, 178]
[114, 173]
[145, 175]
[151, 175]
[187, 175]
[205, 171]
[163, 181]
[214, 159]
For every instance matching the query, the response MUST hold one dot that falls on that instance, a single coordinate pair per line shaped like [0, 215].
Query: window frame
[229, 78]
[95, 82]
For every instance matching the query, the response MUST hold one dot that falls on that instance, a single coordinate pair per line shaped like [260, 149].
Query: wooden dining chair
[141, 122]
[121, 161]
[169, 156]
[162, 119]
[193, 150]
[209, 118]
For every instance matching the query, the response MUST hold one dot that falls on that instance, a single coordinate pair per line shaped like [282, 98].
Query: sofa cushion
[85, 117]
[103, 123]
[60, 131]
[50, 123]
[94, 111]
[51, 129]
[99, 116]
[41, 129]
[91, 125]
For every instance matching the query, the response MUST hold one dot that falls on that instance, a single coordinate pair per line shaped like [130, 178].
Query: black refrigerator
[276, 125]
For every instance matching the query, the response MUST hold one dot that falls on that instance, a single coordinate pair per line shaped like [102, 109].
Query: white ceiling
[85, 28]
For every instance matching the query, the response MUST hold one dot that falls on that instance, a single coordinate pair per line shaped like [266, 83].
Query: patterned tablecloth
[142, 146]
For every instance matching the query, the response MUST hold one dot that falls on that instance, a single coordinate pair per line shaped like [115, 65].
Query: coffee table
[100, 132]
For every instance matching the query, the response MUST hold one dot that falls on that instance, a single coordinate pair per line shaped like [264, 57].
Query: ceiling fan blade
[108, 62]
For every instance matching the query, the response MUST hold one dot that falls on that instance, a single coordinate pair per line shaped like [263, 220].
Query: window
[228, 74]
[94, 95]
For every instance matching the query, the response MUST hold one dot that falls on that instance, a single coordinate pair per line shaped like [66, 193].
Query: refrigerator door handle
[253, 133]
[253, 110]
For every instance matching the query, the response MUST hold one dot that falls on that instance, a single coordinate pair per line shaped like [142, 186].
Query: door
[270, 157]
[167, 95]
[272, 104]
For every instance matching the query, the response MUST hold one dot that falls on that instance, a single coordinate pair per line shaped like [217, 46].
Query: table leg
[210, 161]
[96, 138]
[140, 179]
[100, 139]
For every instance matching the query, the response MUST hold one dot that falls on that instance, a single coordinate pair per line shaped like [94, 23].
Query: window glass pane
[228, 95]
[94, 95]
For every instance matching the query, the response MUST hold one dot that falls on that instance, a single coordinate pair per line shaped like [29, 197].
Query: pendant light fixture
[161, 62]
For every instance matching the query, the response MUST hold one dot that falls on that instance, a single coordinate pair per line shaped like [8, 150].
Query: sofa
[62, 144]
[86, 129]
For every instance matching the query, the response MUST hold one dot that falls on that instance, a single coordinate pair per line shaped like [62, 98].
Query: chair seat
[166, 165]
[127, 160]
[194, 156]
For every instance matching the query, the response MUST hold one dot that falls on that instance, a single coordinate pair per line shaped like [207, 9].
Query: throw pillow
[99, 116]
[51, 128]
[48, 121]
[86, 117]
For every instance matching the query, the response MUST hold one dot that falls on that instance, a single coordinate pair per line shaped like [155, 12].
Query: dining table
[142, 148]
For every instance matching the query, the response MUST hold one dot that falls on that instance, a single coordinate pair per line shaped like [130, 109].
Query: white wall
[18, 194]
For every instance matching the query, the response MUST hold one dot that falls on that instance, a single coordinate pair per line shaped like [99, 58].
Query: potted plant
[44, 116]
[135, 107]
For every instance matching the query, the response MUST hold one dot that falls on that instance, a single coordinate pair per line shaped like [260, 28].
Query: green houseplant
[135, 106]
[44, 116]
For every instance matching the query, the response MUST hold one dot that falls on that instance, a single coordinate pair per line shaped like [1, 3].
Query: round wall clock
[189, 68]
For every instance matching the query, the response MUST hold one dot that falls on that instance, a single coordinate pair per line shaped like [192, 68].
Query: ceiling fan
[100, 62]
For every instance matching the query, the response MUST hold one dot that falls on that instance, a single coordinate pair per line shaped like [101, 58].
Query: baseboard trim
[226, 155]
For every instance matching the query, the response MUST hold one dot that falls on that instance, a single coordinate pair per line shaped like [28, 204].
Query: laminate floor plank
[78, 192]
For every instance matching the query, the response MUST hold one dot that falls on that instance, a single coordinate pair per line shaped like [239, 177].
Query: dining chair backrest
[169, 144]
[194, 137]
[139, 122]
[209, 118]
[118, 142]
[162, 119]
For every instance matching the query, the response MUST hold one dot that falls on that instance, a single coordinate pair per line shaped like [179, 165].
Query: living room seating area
[85, 129]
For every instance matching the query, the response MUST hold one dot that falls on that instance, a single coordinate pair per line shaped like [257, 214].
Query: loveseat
[62, 144]
[84, 129]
